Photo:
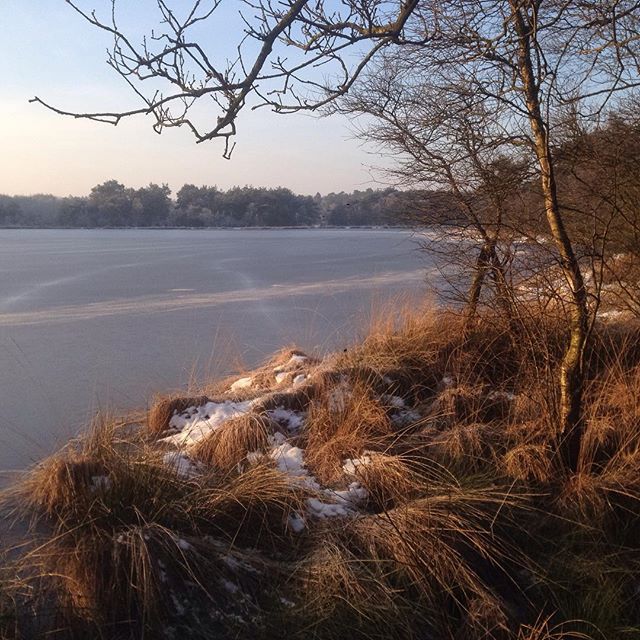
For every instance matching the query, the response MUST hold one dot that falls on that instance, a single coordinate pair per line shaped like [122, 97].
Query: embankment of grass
[409, 487]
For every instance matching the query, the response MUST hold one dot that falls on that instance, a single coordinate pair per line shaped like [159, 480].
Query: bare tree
[442, 137]
[526, 59]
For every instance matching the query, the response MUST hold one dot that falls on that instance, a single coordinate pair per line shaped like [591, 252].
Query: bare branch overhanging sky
[48, 50]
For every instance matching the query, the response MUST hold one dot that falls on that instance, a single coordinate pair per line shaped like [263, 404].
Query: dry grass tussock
[227, 448]
[344, 421]
[409, 487]
[165, 407]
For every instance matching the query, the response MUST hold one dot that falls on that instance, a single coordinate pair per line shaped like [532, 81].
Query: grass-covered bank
[409, 487]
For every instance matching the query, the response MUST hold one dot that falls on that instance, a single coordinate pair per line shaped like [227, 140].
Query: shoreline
[328, 493]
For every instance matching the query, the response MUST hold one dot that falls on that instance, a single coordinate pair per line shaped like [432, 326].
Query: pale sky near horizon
[46, 49]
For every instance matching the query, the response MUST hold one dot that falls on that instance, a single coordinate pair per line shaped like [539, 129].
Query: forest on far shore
[112, 204]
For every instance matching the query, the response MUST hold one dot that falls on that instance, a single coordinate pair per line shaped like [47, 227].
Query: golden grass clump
[278, 371]
[252, 508]
[441, 552]
[137, 580]
[346, 596]
[469, 445]
[466, 404]
[389, 480]
[59, 483]
[164, 408]
[342, 423]
[409, 347]
[227, 447]
[529, 463]
[295, 399]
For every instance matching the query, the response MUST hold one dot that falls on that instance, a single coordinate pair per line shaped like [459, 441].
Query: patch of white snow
[242, 383]
[193, 426]
[181, 464]
[296, 523]
[292, 420]
[100, 482]
[350, 465]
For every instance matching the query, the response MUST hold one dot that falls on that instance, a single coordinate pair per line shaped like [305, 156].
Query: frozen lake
[103, 319]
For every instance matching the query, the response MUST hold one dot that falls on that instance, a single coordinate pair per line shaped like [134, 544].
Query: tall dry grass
[470, 526]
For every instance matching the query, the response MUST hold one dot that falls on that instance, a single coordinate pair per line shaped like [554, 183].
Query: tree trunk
[476, 287]
[572, 367]
[486, 261]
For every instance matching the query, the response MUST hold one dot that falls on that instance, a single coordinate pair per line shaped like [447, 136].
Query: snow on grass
[184, 545]
[299, 379]
[502, 395]
[290, 460]
[344, 502]
[242, 383]
[339, 396]
[197, 422]
[100, 483]
[294, 362]
[612, 314]
[293, 421]
[327, 503]
[181, 464]
[405, 417]
[229, 586]
[350, 465]
[281, 377]
[396, 402]
[296, 522]
[322, 510]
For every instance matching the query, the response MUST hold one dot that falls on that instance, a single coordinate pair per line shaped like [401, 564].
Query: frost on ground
[285, 449]
[242, 383]
[291, 420]
[193, 424]
[181, 464]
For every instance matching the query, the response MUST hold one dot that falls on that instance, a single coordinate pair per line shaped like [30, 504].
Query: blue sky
[46, 49]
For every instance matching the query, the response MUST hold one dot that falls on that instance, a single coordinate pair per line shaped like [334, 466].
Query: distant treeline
[112, 204]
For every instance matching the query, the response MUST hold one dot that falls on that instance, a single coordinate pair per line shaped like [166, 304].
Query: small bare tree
[441, 137]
